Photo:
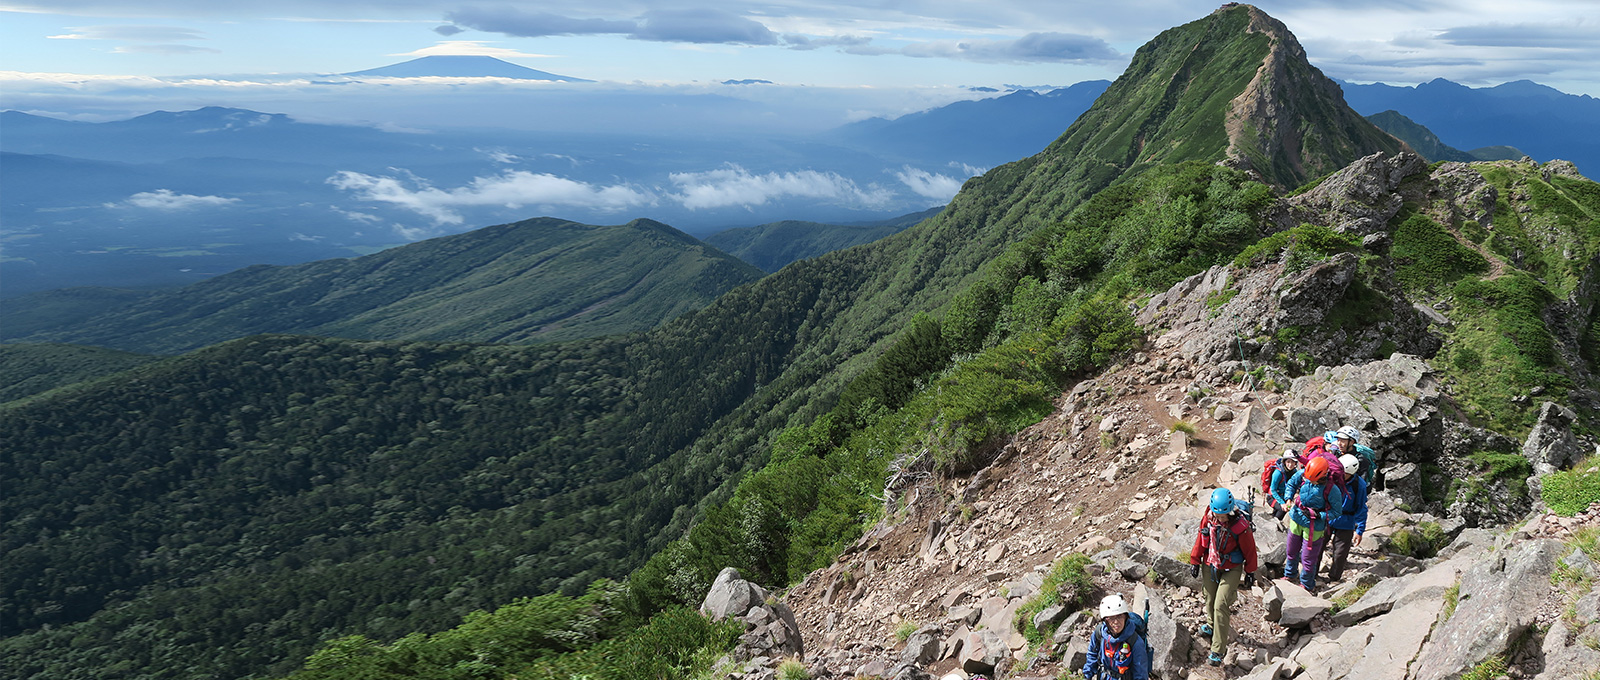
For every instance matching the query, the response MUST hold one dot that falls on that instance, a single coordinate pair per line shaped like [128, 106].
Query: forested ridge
[536, 280]
[223, 512]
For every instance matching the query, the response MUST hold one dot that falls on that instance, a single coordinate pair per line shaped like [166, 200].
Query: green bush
[1427, 255]
[1572, 491]
[1305, 244]
[1422, 541]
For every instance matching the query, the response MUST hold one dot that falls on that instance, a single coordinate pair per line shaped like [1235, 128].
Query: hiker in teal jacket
[1316, 499]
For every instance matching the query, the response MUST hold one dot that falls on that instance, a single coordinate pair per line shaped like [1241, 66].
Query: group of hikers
[1320, 490]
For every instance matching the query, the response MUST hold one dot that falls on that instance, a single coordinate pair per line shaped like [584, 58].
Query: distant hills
[30, 369]
[982, 131]
[1423, 141]
[462, 66]
[1542, 121]
[775, 245]
[537, 280]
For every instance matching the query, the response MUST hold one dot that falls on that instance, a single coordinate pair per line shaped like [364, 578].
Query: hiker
[1117, 648]
[1315, 500]
[1223, 558]
[1276, 488]
[1351, 522]
[1349, 441]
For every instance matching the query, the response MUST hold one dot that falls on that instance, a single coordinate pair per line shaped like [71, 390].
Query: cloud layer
[165, 199]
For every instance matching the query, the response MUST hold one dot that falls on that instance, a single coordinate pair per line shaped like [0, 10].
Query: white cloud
[935, 186]
[734, 185]
[165, 199]
[513, 189]
[473, 48]
[359, 217]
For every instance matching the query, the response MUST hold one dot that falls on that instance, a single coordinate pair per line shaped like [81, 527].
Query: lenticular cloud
[512, 189]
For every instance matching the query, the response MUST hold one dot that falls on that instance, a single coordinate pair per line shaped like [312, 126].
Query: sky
[896, 55]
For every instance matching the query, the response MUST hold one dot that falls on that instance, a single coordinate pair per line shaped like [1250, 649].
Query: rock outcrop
[770, 627]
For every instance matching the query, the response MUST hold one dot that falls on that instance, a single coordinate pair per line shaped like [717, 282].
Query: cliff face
[1291, 123]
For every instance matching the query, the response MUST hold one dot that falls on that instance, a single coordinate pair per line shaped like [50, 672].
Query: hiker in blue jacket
[1316, 499]
[1347, 527]
[1116, 649]
[1278, 495]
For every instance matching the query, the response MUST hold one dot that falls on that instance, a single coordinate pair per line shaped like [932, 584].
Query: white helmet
[1350, 432]
[1112, 605]
[1351, 463]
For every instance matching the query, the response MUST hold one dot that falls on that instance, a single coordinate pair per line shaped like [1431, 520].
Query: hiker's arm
[1199, 550]
[1091, 661]
[1361, 512]
[1247, 545]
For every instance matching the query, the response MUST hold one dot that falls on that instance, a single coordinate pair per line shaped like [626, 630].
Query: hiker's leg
[1221, 617]
[1311, 558]
[1291, 551]
[1209, 583]
[1339, 542]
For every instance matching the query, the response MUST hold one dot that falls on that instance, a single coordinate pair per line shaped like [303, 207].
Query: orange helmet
[1317, 469]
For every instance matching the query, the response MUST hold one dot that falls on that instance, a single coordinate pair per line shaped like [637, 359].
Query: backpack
[1266, 475]
[1223, 543]
[1312, 498]
[1318, 448]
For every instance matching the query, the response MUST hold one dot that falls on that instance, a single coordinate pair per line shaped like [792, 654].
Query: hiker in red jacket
[1225, 550]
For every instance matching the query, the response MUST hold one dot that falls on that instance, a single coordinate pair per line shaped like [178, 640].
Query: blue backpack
[1313, 498]
[1141, 629]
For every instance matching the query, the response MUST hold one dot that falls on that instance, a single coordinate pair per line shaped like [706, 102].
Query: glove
[1194, 570]
[1250, 580]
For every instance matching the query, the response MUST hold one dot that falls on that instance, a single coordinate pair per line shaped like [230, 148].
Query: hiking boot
[1214, 660]
[1206, 630]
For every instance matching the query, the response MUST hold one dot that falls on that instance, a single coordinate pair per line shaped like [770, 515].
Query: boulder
[1328, 655]
[1306, 297]
[1498, 600]
[1550, 446]
[907, 671]
[1395, 640]
[731, 595]
[1175, 572]
[923, 646]
[1306, 424]
[1169, 641]
[1391, 593]
[1292, 606]
[982, 651]
[1394, 402]
[1249, 433]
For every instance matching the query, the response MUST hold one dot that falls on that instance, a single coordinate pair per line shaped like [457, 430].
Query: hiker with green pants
[1223, 558]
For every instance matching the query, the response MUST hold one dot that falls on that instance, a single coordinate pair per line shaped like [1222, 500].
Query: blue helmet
[1222, 501]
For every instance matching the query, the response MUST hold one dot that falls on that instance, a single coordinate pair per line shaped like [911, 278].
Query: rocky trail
[1110, 476]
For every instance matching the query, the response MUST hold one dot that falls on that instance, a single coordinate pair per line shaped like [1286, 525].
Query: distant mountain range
[1423, 141]
[1542, 121]
[462, 66]
[537, 280]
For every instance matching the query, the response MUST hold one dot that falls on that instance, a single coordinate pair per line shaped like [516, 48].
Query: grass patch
[1305, 245]
[1422, 541]
[1509, 468]
[793, 669]
[1183, 426]
[1452, 597]
[1068, 585]
[1502, 349]
[1491, 668]
[1572, 491]
[904, 631]
[1428, 256]
[1344, 601]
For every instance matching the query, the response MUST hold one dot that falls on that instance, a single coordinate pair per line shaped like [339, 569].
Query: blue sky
[858, 43]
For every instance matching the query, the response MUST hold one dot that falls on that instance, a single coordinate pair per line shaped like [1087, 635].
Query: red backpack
[1318, 448]
[1266, 476]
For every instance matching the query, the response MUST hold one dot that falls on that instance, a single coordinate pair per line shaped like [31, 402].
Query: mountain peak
[462, 66]
[1233, 87]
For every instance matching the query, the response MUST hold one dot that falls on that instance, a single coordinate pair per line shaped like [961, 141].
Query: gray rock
[1361, 198]
[1049, 616]
[731, 595]
[1169, 641]
[1391, 593]
[923, 646]
[909, 672]
[1468, 540]
[1131, 570]
[1175, 572]
[1395, 641]
[982, 651]
[1306, 297]
[1562, 660]
[1499, 599]
[1550, 446]
[1306, 424]
[1298, 607]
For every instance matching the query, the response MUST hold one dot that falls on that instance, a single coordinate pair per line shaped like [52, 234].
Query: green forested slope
[220, 513]
[772, 246]
[29, 369]
[537, 280]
